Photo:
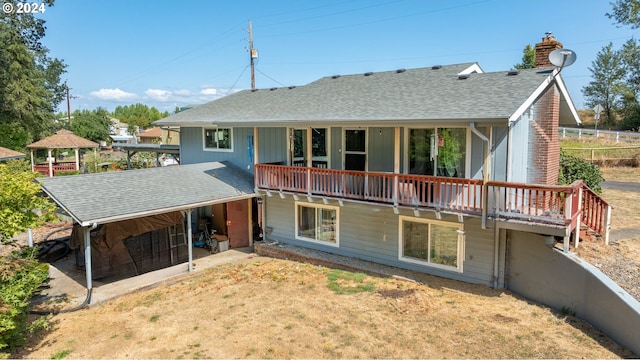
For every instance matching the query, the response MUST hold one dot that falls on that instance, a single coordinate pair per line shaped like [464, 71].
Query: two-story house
[435, 169]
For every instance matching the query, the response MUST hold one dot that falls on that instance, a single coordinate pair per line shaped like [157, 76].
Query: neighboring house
[434, 169]
[119, 134]
[157, 135]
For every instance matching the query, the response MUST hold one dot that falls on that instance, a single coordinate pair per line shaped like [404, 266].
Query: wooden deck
[564, 206]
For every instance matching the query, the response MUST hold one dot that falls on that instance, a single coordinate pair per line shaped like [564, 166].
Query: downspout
[485, 171]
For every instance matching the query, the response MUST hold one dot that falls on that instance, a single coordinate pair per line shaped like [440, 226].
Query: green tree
[92, 125]
[137, 115]
[607, 87]
[30, 86]
[626, 12]
[528, 58]
[21, 205]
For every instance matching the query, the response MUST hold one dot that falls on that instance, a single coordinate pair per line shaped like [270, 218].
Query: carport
[109, 197]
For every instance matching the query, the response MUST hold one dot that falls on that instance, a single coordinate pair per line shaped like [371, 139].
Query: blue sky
[174, 53]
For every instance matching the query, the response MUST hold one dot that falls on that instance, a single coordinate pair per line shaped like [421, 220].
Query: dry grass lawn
[269, 308]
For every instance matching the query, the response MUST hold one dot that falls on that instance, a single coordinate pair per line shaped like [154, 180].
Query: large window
[218, 139]
[431, 242]
[317, 223]
[439, 151]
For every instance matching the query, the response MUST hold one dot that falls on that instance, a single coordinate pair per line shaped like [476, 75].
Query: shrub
[573, 168]
[20, 276]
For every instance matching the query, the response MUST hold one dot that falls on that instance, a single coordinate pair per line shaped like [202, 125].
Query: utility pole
[253, 54]
[69, 97]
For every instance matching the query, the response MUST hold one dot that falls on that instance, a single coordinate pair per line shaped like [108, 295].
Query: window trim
[460, 253]
[216, 149]
[297, 205]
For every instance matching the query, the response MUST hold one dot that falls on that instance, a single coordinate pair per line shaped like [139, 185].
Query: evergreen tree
[528, 58]
[626, 12]
[30, 86]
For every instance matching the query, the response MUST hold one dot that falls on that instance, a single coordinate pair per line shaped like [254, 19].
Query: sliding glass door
[438, 151]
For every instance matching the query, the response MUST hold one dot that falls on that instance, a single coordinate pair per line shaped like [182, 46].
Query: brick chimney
[544, 48]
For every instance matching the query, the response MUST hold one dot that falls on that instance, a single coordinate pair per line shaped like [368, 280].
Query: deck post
[565, 244]
[86, 231]
[50, 161]
[187, 216]
[607, 224]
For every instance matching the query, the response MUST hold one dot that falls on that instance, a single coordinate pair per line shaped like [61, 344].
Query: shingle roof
[8, 154]
[63, 139]
[154, 132]
[101, 198]
[393, 96]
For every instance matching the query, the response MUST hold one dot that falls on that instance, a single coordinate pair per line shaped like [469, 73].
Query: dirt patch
[277, 308]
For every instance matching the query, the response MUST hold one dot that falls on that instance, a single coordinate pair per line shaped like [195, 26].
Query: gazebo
[62, 139]
[8, 154]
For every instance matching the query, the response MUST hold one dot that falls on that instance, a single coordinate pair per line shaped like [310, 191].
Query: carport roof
[113, 196]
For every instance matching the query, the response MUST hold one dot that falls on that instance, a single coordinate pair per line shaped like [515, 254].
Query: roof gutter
[485, 171]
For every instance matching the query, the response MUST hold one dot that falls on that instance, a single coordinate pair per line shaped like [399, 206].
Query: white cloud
[113, 95]
[183, 92]
[209, 91]
[158, 95]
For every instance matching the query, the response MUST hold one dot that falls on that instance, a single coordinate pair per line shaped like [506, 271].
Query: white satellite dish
[562, 57]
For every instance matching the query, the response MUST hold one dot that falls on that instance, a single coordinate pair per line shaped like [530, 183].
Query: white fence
[617, 136]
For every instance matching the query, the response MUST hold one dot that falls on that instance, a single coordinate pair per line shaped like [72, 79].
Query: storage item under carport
[135, 246]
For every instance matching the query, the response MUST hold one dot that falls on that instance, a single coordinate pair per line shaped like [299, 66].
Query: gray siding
[520, 144]
[272, 145]
[371, 233]
[499, 162]
[477, 154]
[380, 151]
[336, 148]
[191, 143]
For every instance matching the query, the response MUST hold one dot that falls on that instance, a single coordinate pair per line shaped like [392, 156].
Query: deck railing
[443, 193]
[44, 168]
[596, 212]
[534, 203]
[564, 206]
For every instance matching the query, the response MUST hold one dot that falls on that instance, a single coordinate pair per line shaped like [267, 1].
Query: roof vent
[436, 67]
[368, 73]
[335, 76]
[463, 76]
[513, 72]
[273, 89]
[400, 71]
[291, 87]
[254, 90]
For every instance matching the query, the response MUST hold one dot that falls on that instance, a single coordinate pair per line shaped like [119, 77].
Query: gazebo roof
[63, 139]
[7, 154]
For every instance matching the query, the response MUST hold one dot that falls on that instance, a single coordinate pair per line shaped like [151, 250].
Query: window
[438, 151]
[430, 242]
[218, 139]
[317, 223]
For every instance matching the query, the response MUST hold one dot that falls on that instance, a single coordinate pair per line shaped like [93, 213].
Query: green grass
[343, 282]
[61, 355]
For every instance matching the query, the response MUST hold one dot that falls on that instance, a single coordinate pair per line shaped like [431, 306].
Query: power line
[272, 79]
